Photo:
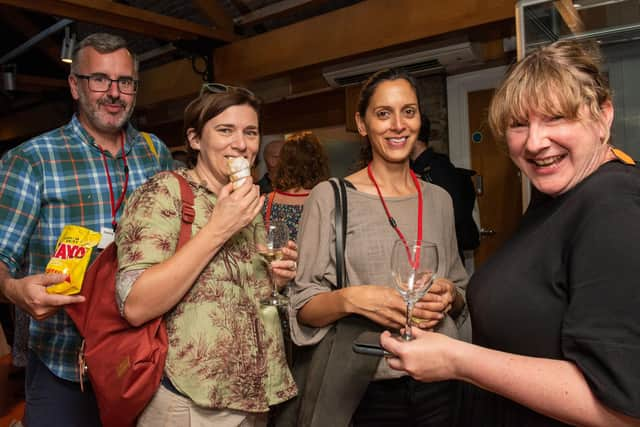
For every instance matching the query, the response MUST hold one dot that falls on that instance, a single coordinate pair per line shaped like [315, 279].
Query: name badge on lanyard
[107, 237]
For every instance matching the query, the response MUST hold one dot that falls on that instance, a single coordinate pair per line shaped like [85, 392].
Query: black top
[265, 184]
[437, 169]
[566, 286]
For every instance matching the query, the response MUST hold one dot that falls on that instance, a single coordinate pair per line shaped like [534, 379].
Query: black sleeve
[601, 329]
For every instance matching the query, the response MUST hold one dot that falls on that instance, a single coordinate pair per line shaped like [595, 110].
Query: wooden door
[500, 194]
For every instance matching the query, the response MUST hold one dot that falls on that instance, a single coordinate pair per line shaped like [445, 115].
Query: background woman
[302, 164]
[555, 312]
[389, 117]
[223, 366]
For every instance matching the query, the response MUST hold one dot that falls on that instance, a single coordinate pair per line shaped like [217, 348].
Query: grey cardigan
[368, 247]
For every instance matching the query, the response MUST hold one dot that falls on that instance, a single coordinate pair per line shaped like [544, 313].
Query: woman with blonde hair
[556, 330]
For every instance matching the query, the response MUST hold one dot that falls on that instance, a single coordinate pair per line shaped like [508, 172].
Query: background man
[271, 155]
[77, 174]
[437, 168]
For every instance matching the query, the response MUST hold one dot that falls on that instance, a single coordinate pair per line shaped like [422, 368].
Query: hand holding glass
[269, 240]
[413, 266]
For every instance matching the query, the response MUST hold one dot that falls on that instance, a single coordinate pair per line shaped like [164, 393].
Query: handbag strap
[340, 195]
[188, 212]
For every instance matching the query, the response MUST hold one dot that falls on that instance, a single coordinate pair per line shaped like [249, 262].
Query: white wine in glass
[413, 266]
[271, 255]
[269, 240]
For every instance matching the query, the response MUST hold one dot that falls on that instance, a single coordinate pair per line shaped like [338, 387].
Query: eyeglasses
[102, 83]
[222, 88]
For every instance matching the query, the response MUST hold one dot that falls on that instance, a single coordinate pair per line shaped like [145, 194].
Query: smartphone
[369, 343]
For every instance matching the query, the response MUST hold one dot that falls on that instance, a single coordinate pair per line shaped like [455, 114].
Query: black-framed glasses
[223, 88]
[102, 83]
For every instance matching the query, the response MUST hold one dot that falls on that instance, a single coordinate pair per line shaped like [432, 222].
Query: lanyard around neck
[393, 222]
[115, 206]
[284, 193]
[267, 215]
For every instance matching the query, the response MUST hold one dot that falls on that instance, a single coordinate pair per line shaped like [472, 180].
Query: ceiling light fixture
[9, 77]
[69, 42]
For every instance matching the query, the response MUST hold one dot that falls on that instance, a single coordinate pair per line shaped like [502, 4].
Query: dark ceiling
[40, 75]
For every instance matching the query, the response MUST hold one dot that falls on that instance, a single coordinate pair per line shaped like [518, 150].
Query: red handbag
[125, 364]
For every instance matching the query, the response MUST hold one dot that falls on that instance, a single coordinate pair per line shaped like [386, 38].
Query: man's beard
[96, 117]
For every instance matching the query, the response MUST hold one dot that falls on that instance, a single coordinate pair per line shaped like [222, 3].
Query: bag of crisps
[71, 258]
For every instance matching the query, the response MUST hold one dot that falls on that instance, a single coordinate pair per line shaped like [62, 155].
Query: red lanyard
[115, 206]
[267, 218]
[305, 194]
[393, 222]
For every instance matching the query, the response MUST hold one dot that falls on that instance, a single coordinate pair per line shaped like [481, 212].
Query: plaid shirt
[56, 179]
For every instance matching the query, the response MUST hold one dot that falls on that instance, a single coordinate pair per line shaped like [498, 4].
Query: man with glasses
[77, 174]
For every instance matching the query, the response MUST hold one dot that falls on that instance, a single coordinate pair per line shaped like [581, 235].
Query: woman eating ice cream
[225, 365]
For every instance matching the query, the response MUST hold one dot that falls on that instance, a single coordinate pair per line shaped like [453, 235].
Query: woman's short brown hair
[303, 162]
[555, 80]
[207, 106]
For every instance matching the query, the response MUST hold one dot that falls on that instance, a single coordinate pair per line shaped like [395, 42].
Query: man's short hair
[103, 43]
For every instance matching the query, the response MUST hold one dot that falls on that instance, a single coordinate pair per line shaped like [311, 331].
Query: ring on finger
[294, 266]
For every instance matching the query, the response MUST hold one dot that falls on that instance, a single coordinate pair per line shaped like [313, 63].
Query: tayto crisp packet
[71, 258]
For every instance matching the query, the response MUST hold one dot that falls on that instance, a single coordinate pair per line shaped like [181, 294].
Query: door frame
[458, 87]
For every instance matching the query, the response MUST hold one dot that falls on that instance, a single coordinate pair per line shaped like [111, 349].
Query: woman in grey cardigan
[362, 389]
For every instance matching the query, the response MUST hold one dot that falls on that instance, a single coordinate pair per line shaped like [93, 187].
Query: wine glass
[270, 239]
[413, 266]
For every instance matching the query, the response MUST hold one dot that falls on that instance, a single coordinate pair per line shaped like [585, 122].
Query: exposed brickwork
[433, 94]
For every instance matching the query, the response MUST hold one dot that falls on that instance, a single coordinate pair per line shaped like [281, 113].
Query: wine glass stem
[407, 330]
[274, 291]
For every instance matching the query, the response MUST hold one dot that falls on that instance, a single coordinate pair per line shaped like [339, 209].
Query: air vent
[417, 62]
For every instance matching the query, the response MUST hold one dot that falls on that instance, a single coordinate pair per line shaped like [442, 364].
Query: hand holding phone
[369, 343]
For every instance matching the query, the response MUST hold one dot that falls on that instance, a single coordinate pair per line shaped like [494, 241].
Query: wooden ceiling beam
[570, 15]
[168, 82]
[116, 15]
[275, 10]
[26, 83]
[215, 13]
[359, 29]
[241, 5]
[17, 20]
[307, 112]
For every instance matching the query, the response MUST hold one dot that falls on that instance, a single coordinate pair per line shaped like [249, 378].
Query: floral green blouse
[225, 351]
